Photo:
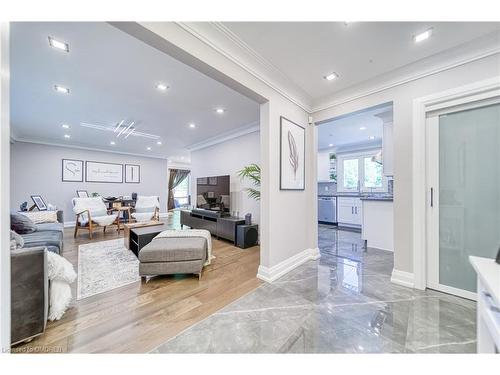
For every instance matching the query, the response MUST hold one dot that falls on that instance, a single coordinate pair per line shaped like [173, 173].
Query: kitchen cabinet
[378, 224]
[350, 211]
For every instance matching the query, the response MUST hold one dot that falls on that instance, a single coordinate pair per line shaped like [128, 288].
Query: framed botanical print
[72, 170]
[292, 155]
[132, 173]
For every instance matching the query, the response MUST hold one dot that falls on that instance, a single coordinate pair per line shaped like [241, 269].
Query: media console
[218, 225]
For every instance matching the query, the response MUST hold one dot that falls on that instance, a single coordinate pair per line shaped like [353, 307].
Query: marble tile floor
[342, 303]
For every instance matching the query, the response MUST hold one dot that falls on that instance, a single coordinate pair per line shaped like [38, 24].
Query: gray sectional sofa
[29, 279]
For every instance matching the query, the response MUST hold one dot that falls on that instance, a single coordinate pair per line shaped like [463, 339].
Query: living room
[116, 144]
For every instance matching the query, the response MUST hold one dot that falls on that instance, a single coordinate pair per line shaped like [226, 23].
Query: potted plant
[252, 173]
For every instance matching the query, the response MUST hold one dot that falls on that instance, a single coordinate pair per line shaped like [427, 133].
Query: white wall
[402, 96]
[228, 158]
[288, 218]
[36, 169]
[324, 165]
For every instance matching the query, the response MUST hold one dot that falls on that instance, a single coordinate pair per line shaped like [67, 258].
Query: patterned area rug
[105, 265]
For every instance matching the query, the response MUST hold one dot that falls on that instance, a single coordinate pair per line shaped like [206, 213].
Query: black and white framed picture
[72, 170]
[39, 202]
[82, 194]
[212, 180]
[292, 155]
[96, 171]
[132, 173]
[202, 180]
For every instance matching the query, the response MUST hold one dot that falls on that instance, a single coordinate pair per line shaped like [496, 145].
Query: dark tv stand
[218, 225]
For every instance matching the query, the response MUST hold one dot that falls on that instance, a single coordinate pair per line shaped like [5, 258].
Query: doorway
[463, 200]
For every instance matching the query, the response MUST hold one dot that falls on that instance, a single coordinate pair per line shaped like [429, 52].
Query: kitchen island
[377, 227]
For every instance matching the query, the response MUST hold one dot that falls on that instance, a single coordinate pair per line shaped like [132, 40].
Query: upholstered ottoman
[166, 256]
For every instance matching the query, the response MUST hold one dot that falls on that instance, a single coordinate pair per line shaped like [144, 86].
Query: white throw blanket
[202, 233]
[61, 274]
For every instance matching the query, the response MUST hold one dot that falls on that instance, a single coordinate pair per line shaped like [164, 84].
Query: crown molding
[248, 60]
[418, 74]
[250, 128]
[55, 144]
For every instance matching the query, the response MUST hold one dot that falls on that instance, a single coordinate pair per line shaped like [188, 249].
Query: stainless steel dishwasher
[327, 209]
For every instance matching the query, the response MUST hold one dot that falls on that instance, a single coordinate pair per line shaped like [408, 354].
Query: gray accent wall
[36, 169]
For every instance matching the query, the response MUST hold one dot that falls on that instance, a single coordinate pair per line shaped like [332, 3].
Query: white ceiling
[345, 132]
[112, 76]
[357, 51]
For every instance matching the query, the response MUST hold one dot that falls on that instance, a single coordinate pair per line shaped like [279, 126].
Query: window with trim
[181, 192]
[358, 172]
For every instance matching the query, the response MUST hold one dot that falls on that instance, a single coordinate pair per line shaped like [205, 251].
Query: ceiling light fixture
[192, 126]
[112, 143]
[362, 128]
[331, 76]
[159, 143]
[371, 137]
[65, 126]
[115, 128]
[220, 110]
[330, 145]
[61, 89]
[423, 36]
[58, 44]
[67, 136]
[162, 87]
[149, 148]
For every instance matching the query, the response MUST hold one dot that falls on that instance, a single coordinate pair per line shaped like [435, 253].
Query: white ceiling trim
[28, 140]
[239, 44]
[250, 128]
[406, 80]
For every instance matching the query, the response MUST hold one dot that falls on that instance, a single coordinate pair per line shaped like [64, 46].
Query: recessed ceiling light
[162, 87]
[67, 136]
[371, 137]
[149, 148]
[112, 143]
[192, 126]
[362, 128]
[220, 110]
[331, 76]
[65, 126]
[330, 145]
[158, 143]
[61, 89]
[58, 44]
[423, 36]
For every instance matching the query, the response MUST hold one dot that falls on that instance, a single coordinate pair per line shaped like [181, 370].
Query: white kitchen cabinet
[349, 211]
[378, 224]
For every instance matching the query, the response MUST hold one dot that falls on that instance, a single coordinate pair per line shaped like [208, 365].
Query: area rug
[103, 266]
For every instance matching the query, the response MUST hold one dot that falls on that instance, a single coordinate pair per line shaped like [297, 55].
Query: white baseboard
[68, 224]
[403, 278]
[270, 274]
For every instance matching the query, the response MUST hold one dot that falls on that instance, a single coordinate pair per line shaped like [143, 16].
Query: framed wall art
[96, 171]
[72, 170]
[292, 155]
[132, 173]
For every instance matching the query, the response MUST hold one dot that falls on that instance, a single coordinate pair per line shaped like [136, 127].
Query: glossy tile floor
[342, 303]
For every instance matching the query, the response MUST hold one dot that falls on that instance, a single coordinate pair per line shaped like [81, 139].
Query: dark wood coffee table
[140, 236]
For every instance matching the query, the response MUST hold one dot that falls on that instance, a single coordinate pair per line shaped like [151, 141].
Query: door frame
[477, 91]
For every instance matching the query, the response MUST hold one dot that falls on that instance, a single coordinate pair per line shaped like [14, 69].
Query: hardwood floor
[138, 317]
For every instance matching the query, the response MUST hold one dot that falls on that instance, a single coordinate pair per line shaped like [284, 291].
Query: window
[372, 174]
[181, 192]
[357, 172]
[351, 178]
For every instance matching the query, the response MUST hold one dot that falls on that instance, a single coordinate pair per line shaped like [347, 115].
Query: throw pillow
[21, 224]
[40, 217]
[17, 238]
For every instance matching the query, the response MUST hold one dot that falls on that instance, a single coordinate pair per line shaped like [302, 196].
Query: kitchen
[355, 175]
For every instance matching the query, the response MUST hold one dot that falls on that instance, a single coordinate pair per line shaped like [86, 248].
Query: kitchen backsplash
[327, 188]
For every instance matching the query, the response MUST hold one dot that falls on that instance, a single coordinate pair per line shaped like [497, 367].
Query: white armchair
[146, 209]
[91, 213]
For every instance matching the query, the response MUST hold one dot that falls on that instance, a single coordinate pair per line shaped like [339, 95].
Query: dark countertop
[375, 198]
[362, 196]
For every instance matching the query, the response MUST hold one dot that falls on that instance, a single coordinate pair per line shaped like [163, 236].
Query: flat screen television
[212, 193]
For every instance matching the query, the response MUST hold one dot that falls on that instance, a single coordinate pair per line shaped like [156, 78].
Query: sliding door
[463, 174]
